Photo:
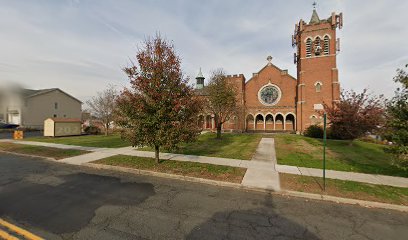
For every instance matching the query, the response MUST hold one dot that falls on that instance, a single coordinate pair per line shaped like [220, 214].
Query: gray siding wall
[41, 107]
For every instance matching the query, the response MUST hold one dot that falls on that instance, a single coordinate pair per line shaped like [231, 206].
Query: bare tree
[102, 106]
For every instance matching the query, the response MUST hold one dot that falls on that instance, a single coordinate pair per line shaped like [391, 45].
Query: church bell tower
[200, 80]
[317, 74]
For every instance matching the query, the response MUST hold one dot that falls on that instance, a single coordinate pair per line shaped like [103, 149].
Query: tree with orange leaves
[160, 109]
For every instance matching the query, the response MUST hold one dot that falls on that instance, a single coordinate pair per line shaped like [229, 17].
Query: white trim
[294, 115]
[321, 85]
[255, 122]
[276, 114]
[317, 83]
[259, 113]
[314, 56]
[327, 35]
[311, 38]
[276, 101]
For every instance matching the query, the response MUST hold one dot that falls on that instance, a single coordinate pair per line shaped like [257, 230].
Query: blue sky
[80, 46]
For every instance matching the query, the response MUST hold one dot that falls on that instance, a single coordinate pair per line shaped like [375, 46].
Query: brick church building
[273, 100]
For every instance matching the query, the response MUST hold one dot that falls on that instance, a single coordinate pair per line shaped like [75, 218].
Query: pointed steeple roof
[315, 18]
[200, 74]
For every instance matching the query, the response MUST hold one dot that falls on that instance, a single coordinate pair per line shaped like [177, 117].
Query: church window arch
[317, 46]
[318, 86]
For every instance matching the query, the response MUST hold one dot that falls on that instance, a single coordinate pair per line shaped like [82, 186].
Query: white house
[29, 108]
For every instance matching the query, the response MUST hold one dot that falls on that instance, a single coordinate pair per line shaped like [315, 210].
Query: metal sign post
[324, 151]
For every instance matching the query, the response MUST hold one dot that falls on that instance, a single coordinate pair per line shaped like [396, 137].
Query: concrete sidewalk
[261, 172]
[53, 145]
[348, 176]
[262, 169]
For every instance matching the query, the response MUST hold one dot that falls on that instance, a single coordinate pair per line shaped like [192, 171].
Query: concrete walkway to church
[262, 169]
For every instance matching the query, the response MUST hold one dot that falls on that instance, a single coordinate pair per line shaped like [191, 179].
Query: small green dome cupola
[200, 80]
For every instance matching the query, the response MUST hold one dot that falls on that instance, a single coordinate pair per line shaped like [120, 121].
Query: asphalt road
[58, 201]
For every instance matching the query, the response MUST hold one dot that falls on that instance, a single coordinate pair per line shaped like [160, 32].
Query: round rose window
[269, 95]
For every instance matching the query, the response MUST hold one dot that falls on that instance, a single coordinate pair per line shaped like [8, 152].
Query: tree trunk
[219, 130]
[156, 153]
[107, 129]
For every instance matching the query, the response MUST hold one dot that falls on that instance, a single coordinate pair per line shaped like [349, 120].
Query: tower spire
[200, 80]
[315, 18]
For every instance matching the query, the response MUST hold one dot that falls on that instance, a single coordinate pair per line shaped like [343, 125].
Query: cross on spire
[314, 5]
[269, 58]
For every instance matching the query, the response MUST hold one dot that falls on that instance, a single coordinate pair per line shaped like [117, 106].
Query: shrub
[92, 130]
[314, 131]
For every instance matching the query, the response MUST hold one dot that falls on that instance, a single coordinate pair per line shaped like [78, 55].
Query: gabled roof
[31, 92]
[271, 65]
[28, 93]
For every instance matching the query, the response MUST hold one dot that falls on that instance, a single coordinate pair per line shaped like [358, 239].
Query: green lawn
[201, 170]
[111, 141]
[55, 153]
[361, 157]
[237, 146]
[347, 189]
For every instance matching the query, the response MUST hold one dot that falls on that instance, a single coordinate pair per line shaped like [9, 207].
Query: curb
[363, 203]
[164, 175]
[313, 196]
[30, 155]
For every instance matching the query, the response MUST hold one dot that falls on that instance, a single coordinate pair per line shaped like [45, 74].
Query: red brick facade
[273, 100]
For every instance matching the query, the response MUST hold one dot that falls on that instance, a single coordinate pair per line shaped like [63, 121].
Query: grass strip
[345, 189]
[191, 169]
[231, 145]
[362, 157]
[50, 152]
[111, 141]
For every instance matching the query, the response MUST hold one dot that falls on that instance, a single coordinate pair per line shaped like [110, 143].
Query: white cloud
[81, 46]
